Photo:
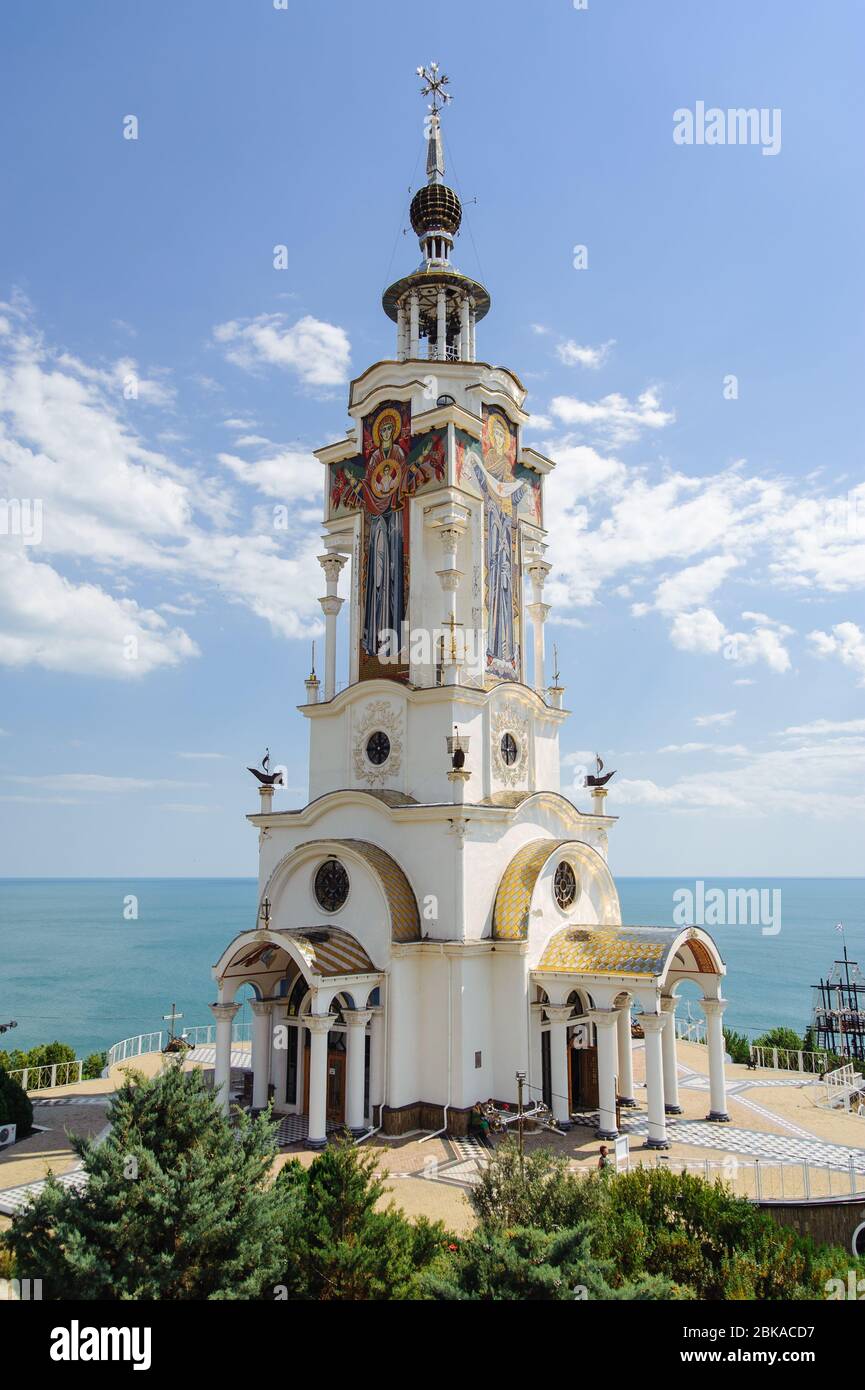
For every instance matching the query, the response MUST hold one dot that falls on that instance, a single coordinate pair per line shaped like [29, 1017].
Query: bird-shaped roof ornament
[264, 774]
[597, 780]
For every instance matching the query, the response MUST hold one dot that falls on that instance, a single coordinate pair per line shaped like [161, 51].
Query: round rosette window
[331, 885]
[378, 748]
[565, 885]
[509, 750]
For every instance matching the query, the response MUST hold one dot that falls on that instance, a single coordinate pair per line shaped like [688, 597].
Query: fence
[199, 1036]
[786, 1059]
[759, 1178]
[49, 1074]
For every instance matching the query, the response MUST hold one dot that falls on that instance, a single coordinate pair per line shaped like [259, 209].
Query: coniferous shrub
[178, 1204]
[16, 1107]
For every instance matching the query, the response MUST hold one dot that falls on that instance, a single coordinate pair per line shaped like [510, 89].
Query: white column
[332, 565]
[605, 1026]
[441, 325]
[558, 1017]
[472, 325]
[224, 1015]
[539, 612]
[626, 1063]
[355, 1110]
[671, 1060]
[400, 332]
[450, 577]
[653, 1025]
[714, 1011]
[465, 335]
[414, 325]
[261, 1036]
[376, 1063]
[319, 1026]
[279, 1061]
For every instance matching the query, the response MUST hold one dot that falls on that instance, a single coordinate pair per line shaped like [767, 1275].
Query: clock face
[509, 749]
[378, 748]
[331, 885]
[565, 885]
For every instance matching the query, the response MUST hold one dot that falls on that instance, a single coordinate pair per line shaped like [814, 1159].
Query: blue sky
[709, 552]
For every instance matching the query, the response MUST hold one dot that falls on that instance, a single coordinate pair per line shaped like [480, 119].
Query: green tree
[737, 1045]
[15, 1105]
[178, 1204]
[781, 1037]
[94, 1066]
[341, 1244]
[525, 1264]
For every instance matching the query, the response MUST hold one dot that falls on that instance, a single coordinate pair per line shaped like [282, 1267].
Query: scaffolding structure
[838, 1015]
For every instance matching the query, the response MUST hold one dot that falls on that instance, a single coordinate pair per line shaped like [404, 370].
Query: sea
[92, 961]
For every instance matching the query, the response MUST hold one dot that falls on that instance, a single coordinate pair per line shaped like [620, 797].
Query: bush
[16, 1107]
[340, 1244]
[781, 1037]
[707, 1243]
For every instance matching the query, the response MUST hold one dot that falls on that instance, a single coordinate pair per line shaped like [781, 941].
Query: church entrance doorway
[335, 1078]
[584, 1078]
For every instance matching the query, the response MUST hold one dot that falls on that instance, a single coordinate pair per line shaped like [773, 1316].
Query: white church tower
[439, 916]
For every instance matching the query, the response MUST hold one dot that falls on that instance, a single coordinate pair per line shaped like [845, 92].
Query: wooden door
[588, 1065]
[335, 1083]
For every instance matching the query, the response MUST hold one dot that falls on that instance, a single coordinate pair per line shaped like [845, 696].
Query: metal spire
[434, 83]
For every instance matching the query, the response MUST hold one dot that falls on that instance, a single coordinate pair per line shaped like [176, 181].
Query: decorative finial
[598, 780]
[555, 664]
[264, 775]
[312, 668]
[435, 83]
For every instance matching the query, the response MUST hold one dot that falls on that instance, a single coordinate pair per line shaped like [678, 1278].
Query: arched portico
[616, 967]
[316, 1021]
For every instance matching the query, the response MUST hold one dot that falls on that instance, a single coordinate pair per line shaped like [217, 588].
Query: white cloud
[705, 721]
[317, 352]
[825, 726]
[846, 641]
[573, 355]
[614, 416]
[288, 475]
[700, 631]
[694, 584]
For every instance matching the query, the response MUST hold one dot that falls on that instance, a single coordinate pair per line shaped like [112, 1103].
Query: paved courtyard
[776, 1130]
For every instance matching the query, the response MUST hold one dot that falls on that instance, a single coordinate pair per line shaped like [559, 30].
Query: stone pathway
[14, 1198]
[74, 1100]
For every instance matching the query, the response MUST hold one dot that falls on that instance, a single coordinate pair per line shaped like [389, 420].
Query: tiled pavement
[74, 1100]
[16, 1197]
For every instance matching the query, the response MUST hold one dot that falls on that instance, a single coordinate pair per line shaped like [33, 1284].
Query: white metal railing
[787, 1059]
[199, 1036]
[691, 1029]
[762, 1179]
[842, 1085]
[40, 1078]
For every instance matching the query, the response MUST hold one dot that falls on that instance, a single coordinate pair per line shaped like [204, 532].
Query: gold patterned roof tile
[639, 951]
[511, 912]
[331, 951]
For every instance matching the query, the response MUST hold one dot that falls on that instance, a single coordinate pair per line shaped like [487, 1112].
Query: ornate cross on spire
[435, 83]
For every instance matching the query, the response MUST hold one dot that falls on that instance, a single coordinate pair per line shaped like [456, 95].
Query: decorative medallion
[510, 747]
[377, 749]
[331, 885]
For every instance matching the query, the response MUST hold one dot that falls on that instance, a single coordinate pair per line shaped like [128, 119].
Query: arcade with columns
[441, 914]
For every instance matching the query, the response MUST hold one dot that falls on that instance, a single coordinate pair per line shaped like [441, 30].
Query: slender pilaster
[465, 331]
[626, 1062]
[261, 1037]
[279, 1060]
[355, 1110]
[319, 1026]
[605, 1026]
[714, 1011]
[332, 564]
[671, 1060]
[653, 1025]
[472, 344]
[559, 1016]
[539, 612]
[376, 1062]
[224, 1015]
